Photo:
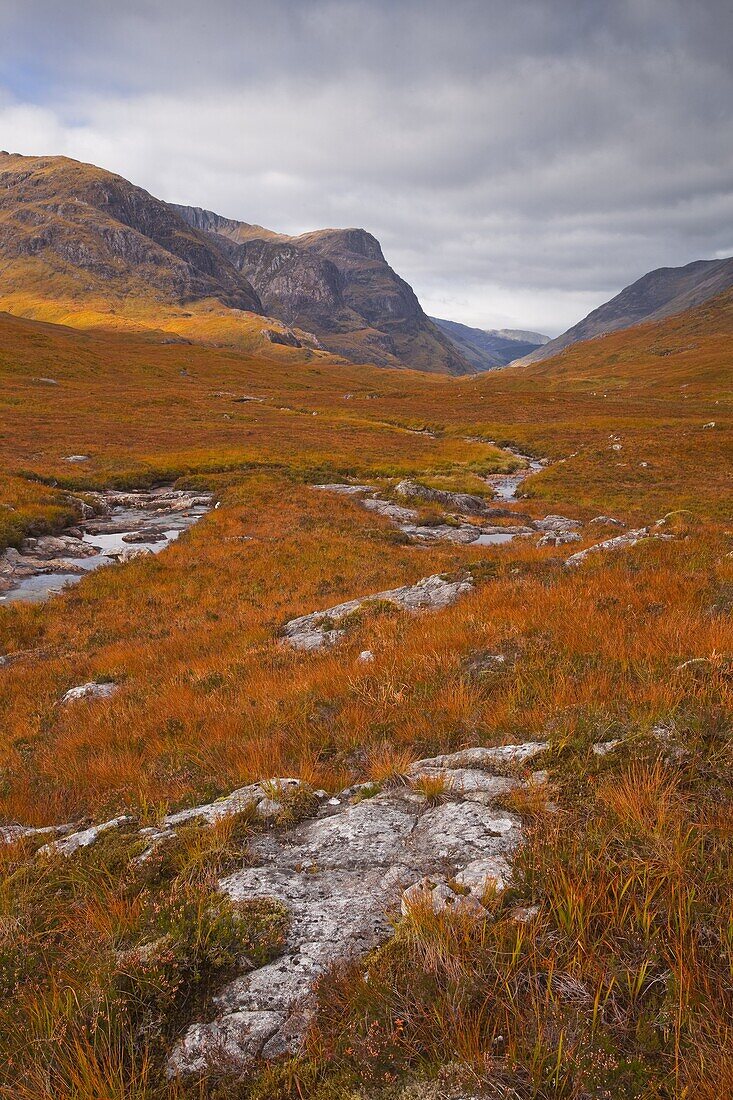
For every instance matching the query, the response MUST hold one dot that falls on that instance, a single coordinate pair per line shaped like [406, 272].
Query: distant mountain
[659, 294]
[522, 336]
[488, 349]
[337, 284]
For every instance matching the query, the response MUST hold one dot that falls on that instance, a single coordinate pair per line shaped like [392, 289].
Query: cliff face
[337, 284]
[658, 294]
[97, 232]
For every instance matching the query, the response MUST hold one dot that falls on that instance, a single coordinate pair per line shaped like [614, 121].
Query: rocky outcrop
[341, 875]
[322, 628]
[460, 502]
[619, 542]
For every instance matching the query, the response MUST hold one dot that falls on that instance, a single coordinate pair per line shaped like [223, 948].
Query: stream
[505, 486]
[122, 526]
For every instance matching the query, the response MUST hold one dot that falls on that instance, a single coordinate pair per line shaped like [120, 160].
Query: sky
[519, 160]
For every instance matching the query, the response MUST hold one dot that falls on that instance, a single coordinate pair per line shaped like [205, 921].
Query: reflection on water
[127, 521]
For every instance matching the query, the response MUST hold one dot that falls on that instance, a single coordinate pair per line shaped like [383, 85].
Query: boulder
[558, 538]
[557, 524]
[91, 690]
[70, 844]
[461, 502]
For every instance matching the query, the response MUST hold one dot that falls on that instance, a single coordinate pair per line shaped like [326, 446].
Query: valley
[347, 500]
[366, 550]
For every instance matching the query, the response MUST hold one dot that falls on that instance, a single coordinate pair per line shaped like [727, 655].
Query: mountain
[659, 294]
[337, 284]
[487, 349]
[72, 230]
[522, 336]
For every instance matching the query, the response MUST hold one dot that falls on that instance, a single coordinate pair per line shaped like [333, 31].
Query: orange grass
[623, 981]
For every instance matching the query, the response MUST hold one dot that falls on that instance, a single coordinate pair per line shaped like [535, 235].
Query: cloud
[520, 161]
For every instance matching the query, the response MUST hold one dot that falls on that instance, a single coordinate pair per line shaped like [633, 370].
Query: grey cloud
[520, 161]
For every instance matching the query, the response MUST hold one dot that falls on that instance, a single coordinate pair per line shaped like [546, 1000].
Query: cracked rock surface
[343, 875]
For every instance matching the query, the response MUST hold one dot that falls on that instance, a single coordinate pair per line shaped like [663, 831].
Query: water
[505, 485]
[492, 539]
[40, 587]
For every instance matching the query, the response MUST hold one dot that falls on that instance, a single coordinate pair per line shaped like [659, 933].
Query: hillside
[337, 284]
[658, 294]
[179, 898]
[487, 349]
[72, 231]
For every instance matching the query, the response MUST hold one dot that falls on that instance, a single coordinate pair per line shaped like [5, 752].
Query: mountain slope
[72, 223]
[658, 294]
[337, 284]
[487, 349]
[83, 247]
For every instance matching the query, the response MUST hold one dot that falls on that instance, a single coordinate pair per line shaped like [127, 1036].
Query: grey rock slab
[440, 897]
[391, 511]
[340, 874]
[460, 831]
[464, 535]
[468, 780]
[10, 833]
[57, 546]
[607, 521]
[84, 838]
[145, 534]
[312, 631]
[558, 538]
[619, 542]
[233, 803]
[130, 554]
[480, 757]
[442, 532]
[345, 489]
[358, 838]
[229, 1042]
[91, 690]
[557, 523]
[480, 874]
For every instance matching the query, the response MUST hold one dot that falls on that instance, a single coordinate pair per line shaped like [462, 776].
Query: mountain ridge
[85, 247]
[658, 294]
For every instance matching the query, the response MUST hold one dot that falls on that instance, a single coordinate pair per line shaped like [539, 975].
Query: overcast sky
[520, 160]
